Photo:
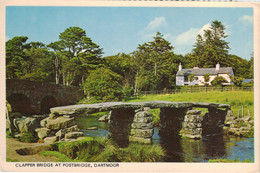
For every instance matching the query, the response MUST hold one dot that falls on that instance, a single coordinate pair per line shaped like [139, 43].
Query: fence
[193, 89]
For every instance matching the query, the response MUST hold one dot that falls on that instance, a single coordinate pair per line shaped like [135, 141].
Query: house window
[186, 79]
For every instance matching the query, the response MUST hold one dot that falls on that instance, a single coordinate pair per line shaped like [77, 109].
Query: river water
[186, 150]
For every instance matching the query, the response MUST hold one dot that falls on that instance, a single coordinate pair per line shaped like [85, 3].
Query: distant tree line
[76, 60]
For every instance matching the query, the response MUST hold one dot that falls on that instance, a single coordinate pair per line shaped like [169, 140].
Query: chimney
[180, 67]
[217, 66]
[196, 67]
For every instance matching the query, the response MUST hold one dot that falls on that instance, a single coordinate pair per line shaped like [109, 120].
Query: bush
[82, 150]
[29, 137]
[218, 81]
[103, 85]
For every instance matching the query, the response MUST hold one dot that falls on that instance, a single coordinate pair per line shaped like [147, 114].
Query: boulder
[44, 122]
[144, 133]
[193, 118]
[92, 128]
[141, 140]
[143, 120]
[43, 132]
[142, 114]
[104, 118]
[26, 124]
[73, 135]
[50, 140]
[60, 123]
[142, 125]
[193, 112]
[246, 118]
[61, 133]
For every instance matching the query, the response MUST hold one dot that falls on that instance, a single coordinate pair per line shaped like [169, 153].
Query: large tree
[16, 56]
[39, 65]
[211, 48]
[157, 65]
[78, 51]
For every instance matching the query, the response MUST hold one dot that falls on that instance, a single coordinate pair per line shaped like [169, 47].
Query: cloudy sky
[122, 29]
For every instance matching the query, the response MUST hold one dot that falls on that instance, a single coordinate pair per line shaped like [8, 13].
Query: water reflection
[184, 149]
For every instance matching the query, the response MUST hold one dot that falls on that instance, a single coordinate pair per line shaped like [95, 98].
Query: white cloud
[156, 23]
[150, 30]
[189, 37]
[247, 18]
[205, 27]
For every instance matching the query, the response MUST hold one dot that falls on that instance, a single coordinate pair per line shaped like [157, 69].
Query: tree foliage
[74, 59]
[103, 84]
[156, 65]
[218, 81]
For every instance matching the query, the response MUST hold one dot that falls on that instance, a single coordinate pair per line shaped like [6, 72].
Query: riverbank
[13, 144]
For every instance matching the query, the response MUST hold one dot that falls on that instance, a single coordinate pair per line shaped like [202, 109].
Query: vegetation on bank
[236, 99]
[74, 59]
[104, 150]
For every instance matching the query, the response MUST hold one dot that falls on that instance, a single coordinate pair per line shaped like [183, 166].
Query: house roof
[248, 80]
[203, 71]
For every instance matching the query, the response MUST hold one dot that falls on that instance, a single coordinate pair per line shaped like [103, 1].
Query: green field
[236, 99]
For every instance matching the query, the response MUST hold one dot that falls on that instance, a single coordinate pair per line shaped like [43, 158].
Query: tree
[123, 64]
[78, 50]
[237, 80]
[218, 81]
[103, 85]
[16, 57]
[206, 79]
[211, 48]
[191, 78]
[156, 65]
[57, 48]
[38, 67]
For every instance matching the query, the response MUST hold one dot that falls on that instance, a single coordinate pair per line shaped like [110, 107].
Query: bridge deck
[108, 106]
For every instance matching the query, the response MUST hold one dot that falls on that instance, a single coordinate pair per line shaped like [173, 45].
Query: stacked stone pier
[134, 122]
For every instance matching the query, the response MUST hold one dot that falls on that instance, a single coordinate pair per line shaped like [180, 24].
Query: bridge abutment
[120, 125]
[213, 121]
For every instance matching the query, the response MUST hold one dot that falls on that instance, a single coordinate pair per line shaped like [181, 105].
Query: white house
[182, 75]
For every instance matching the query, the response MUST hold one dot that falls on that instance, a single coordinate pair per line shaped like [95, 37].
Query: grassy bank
[104, 150]
[236, 99]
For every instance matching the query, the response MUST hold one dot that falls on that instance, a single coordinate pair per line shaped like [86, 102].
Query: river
[186, 150]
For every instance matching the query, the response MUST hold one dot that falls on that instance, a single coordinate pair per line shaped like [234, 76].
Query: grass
[235, 99]
[61, 157]
[29, 137]
[104, 150]
[11, 160]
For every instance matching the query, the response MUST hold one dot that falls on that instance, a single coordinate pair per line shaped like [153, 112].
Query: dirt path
[11, 155]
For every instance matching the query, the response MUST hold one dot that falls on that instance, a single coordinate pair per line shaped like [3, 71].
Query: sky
[122, 29]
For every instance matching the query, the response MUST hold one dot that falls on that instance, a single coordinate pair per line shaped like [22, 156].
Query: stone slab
[108, 106]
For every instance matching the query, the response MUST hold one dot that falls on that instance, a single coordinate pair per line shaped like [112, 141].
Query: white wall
[179, 80]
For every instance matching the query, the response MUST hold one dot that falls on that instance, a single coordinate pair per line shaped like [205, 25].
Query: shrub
[104, 85]
[81, 150]
[29, 137]
[218, 81]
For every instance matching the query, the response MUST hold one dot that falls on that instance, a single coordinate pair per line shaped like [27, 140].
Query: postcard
[129, 86]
